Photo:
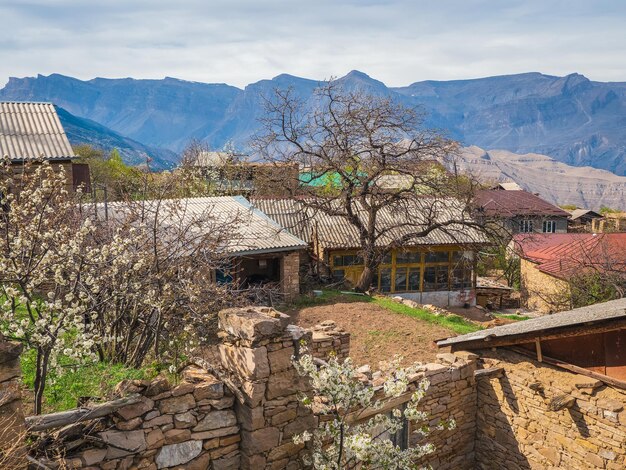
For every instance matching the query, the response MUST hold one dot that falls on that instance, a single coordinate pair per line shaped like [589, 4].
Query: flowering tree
[47, 267]
[344, 440]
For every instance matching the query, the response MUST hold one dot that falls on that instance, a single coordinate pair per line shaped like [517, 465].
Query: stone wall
[537, 288]
[537, 416]
[191, 426]
[329, 340]
[257, 347]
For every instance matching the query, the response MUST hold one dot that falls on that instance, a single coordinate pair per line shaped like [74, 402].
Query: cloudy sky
[243, 41]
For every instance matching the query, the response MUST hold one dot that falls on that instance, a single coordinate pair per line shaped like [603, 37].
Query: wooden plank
[63, 418]
[538, 349]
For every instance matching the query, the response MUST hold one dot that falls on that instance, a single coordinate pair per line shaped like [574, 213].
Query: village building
[32, 132]
[260, 252]
[551, 390]
[581, 220]
[519, 211]
[610, 222]
[434, 269]
[550, 262]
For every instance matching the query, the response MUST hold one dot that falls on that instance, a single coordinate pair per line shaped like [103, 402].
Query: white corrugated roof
[253, 232]
[32, 131]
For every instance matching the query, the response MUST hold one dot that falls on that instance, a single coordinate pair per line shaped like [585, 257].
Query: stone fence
[243, 410]
[328, 339]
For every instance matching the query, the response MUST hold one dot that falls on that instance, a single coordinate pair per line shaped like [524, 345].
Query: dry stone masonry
[511, 411]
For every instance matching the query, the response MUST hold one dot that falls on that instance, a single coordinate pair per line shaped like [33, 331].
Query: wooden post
[538, 348]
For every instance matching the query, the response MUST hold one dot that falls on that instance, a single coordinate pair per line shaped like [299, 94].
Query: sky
[242, 41]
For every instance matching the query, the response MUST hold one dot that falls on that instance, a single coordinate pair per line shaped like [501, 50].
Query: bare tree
[369, 161]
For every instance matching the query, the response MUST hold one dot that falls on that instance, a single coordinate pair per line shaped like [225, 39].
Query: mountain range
[571, 119]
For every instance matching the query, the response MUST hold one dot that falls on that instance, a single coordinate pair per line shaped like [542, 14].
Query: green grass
[96, 380]
[328, 297]
[453, 322]
[511, 316]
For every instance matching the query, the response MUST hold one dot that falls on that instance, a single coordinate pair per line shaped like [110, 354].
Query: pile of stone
[329, 340]
[191, 426]
[438, 311]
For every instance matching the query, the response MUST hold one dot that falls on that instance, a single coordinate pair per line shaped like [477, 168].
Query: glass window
[430, 278]
[401, 277]
[457, 255]
[549, 226]
[525, 226]
[338, 260]
[339, 274]
[407, 257]
[414, 279]
[442, 278]
[436, 257]
[347, 260]
[386, 259]
[385, 280]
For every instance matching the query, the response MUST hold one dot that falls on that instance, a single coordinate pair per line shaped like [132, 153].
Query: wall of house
[512, 225]
[456, 298]
[538, 416]
[540, 291]
[290, 274]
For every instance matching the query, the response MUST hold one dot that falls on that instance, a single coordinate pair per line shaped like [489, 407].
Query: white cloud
[239, 42]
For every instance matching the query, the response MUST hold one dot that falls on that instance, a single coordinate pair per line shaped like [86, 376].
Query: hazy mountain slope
[83, 131]
[571, 119]
[554, 181]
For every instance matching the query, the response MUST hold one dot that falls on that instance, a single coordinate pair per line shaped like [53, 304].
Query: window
[436, 257]
[435, 278]
[525, 226]
[347, 260]
[385, 280]
[339, 275]
[549, 226]
[461, 277]
[408, 257]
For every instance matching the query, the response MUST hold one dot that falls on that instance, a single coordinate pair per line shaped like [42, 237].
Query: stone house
[436, 269]
[552, 390]
[260, 252]
[31, 132]
[549, 263]
[519, 211]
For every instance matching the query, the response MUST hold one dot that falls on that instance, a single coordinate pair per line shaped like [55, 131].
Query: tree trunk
[365, 281]
[41, 371]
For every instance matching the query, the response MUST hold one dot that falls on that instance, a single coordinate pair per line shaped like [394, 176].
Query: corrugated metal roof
[393, 223]
[32, 131]
[577, 213]
[509, 203]
[613, 309]
[253, 232]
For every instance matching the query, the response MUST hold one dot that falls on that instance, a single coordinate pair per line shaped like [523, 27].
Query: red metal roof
[563, 255]
[498, 203]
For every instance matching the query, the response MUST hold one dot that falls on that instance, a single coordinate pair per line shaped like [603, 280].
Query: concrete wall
[519, 426]
[455, 298]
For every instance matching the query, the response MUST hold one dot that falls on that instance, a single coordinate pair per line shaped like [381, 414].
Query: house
[508, 186]
[235, 175]
[581, 220]
[551, 391]
[550, 263]
[519, 211]
[32, 132]
[434, 269]
[260, 251]
[610, 222]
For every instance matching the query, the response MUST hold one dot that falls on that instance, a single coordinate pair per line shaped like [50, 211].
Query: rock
[132, 441]
[174, 436]
[177, 404]
[93, 456]
[178, 454]
[215, 420]
[303, 423]
[253, 324]
[211, 388]
[185, 420]
[228, 463]
[155, 439]
[215, 433]
[247, 363]
[129, 425]
[256, 442]
[157, 386]
[280, 360]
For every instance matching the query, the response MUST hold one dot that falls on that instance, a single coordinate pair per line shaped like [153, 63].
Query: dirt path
[376, 333]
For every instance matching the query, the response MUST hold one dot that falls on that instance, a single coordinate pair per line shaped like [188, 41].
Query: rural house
[581, 220]
[435, 269]
[519, 211]
[33, 132]
[261, 252]
[551, 262]
[551, 390]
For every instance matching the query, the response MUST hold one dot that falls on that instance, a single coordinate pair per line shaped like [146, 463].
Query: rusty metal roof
[253, 232]
[511, 203]
[606, 311]
[30, 131]
[335, 232]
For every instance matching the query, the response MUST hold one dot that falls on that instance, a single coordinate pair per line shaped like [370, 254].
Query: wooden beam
[538, 349]
[63, 418]
[572, 368]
